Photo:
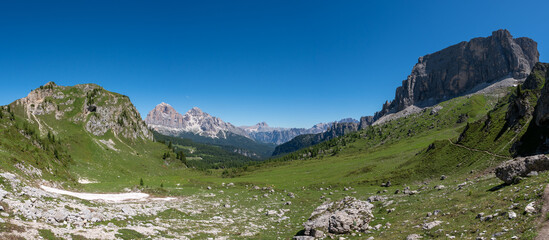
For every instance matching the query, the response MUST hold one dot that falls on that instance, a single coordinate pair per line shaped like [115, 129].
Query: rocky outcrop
[365, 122]
[166, 120]
[341, 217]
[458, 69]
[521, 167]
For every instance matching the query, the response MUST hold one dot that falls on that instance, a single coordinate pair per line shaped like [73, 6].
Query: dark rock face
[521, 167]
[457, 69]
[365, 122]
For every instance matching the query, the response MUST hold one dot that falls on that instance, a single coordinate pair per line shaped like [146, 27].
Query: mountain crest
[166, 120]
[455, 70]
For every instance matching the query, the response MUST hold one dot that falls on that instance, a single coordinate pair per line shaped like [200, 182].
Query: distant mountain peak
[195, 111]
[165, 119]
[262, 124]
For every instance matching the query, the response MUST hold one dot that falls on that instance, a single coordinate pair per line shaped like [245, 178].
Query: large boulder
[344, 216]
[521, 166]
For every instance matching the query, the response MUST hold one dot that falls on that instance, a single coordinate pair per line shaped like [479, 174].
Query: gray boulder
[521, 167]
[344, 216]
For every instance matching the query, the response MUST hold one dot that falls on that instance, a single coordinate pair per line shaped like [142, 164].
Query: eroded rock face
[344, 216]
[459, 68]
[521, 166]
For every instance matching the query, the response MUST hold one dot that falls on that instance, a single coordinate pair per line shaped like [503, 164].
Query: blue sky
[289, 63]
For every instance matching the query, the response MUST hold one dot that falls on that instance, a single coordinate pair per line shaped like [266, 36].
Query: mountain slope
[101, 131]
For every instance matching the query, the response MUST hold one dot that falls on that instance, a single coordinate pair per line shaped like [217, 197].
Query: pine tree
[141, 183]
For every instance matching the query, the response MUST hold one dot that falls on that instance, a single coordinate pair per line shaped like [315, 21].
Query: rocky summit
[166, 120]
[460, 68]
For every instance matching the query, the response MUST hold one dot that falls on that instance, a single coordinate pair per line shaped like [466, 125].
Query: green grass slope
[101, 131]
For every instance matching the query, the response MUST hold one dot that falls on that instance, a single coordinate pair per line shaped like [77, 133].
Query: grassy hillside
[101, 131]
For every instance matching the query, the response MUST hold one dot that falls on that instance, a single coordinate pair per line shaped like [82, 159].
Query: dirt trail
[543, 232]
[478, 150]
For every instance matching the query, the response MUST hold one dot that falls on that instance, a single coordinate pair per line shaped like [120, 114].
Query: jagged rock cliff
[166, 120]
[459, 68]
[98, 110]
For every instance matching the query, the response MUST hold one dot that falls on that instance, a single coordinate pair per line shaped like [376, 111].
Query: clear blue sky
[289, 63]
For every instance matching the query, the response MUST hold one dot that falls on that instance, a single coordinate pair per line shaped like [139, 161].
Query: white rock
[530, 208]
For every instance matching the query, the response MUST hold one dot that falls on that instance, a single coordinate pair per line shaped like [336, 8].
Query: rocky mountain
[448, 73]
[460, 68]
[166, 120]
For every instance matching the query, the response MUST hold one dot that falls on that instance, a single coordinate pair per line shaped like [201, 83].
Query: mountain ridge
[166, 120]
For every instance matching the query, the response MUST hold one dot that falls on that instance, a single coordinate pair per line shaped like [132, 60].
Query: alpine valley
[458, 154]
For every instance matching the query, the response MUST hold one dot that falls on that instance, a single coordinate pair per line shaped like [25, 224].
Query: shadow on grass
[498, 187]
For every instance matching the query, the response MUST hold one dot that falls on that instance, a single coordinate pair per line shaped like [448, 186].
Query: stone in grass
[344, 216]
[430, 225]
[530, 208]
[512, 215]
[413, 237]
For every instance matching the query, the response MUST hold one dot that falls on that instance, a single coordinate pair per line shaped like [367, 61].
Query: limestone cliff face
[457, 69]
